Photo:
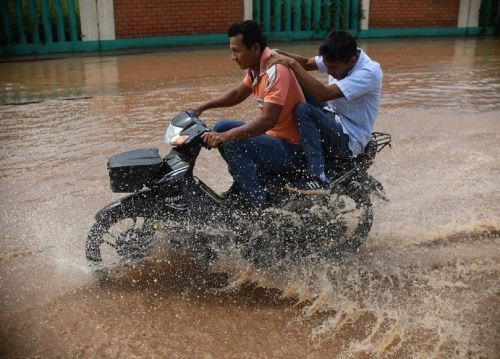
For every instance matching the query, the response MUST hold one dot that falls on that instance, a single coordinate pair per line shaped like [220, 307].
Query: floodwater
[425, 284]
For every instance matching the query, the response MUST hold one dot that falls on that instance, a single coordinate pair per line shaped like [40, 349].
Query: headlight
[173, 136]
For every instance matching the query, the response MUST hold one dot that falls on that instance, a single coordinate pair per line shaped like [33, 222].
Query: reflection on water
[461, 74]
[424, 285]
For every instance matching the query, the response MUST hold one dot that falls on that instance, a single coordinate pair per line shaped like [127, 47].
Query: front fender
[145, 203]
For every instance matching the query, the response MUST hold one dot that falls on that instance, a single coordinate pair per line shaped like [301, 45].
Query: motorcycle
[165, 196]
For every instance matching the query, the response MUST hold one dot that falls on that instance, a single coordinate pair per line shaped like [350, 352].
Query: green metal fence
[488, 13]
[53, 26]
[38, 22]
[295, 19]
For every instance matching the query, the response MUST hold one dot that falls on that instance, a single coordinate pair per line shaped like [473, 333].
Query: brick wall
[416, 13]
[144, 18]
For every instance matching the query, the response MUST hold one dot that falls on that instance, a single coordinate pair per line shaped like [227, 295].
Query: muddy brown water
[425, 283]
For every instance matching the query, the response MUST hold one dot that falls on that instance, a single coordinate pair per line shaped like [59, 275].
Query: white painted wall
[106, 18]
[248, 10]
[97, 20]
[365, 7]
[88, 20]
[468, 13]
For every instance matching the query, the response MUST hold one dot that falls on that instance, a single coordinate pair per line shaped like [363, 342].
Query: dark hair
[338, 46]
[251, 31]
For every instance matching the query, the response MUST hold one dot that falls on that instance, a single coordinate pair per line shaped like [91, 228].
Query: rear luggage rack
[380, 140]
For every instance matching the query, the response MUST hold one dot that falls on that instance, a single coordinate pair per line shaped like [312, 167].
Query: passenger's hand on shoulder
[279, 59]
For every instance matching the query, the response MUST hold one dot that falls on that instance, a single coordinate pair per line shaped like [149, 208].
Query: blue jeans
[263, 151]
[321, 137]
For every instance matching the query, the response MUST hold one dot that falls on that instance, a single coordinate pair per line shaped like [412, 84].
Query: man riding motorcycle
[271, 141]
[164, 195]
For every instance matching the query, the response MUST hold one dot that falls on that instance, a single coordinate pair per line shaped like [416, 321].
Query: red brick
[422, 13]
[179, 17]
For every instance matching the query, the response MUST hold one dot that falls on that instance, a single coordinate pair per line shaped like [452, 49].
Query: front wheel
[118, 237]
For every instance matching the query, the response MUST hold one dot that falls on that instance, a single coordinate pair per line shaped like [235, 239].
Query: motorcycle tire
[363, 206]
[319, 226]
[119, 236]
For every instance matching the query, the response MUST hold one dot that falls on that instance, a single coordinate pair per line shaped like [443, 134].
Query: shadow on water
[190, 278]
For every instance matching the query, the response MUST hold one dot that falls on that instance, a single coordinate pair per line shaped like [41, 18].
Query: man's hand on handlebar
[197, 110]
[214, 139]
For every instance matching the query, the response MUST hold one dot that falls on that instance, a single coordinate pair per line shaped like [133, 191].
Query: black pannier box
[133, 170]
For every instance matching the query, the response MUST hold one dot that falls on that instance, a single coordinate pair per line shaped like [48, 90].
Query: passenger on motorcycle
[338, 119]
[271, 141]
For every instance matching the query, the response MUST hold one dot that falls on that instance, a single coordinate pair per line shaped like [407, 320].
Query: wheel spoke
[121, 240]
[110, 244]
[111, 234]
[347, 211]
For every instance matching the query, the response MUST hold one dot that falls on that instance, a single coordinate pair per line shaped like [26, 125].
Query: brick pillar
[413, 14]
[157, 18]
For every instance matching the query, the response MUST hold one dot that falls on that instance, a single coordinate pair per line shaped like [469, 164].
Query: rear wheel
[354, 208]
[323, 226]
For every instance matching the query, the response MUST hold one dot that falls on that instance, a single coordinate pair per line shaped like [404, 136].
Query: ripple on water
[424, 285]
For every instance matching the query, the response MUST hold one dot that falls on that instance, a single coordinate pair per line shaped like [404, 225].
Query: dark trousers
[245, 157]
[321, 137]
